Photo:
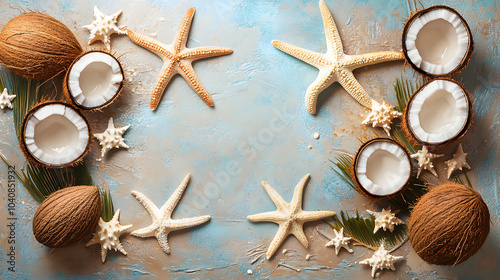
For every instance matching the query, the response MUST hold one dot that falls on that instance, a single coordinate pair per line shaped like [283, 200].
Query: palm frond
[344, 162]
[360, 229]
[457, 178]
[405, 200]
[107, 208]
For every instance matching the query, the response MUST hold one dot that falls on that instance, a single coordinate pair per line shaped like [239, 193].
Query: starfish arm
[204, 52]
[182, 34]
[280, 236]
[324, 80]
[308, 216]
[162, 238]
[312, 58]
[275, 197]
[360, 60]
[166, 74]
[298, 193]
[274, 217]
[153, 211]
[333, 41]
[172, 202]
[189, 75]
[188, 222]
[352, 86]
[298, 232]
[149, 44]
[145, 232]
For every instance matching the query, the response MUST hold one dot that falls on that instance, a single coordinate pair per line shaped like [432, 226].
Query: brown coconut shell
[67, 216]
[465, 59]
[449, 224]
[70, 97]
[22, 137]
[359, 187]
[410, 135]
[37, 46]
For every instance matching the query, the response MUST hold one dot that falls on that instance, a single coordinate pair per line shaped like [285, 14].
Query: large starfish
[335, 65]
[177, 59]
[289, 216]
[163, 223]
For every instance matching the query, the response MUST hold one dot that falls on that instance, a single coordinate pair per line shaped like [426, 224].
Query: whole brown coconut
[37, 46]
[66, 216]
[449, 224]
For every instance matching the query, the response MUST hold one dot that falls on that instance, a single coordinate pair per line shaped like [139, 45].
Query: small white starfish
[102, 27]
[458, 161]
[335, 65]
[339, 241]
[6, 99]
[381, 259]
[385, 219]
[111, 137]
[424, 159]
[381, 115]
[289, 216]
[163, 223]
[108, 235]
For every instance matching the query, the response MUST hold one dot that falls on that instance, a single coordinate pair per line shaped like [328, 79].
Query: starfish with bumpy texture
[458, 161]
[108, 235]
[111, 137]
[289, 216]
[335, 65]
[6, 99]
[177, 59]
[385, 220]
[381, 259]
[382, 115]
[103, 27]
[424, 158]
[163, 223]
[339, 241]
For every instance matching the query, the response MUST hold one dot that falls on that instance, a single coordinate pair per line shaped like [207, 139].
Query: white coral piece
[103, 26]
[382, 115]
[381, 259]
[6, 99]
[385, 219]
[458, 161]
[108, 235]
[339, 241]
[424, 158]
[112, 137]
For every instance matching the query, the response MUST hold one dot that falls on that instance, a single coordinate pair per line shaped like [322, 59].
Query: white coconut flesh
[56, 135]
[438, 112]
[382, 168]
[437, 42]
[94, 79]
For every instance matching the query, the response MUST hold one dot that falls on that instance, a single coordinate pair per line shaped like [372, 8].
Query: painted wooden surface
[259, 130]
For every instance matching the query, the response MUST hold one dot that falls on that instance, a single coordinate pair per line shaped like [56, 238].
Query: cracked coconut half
[439, 113]
[54, 134]
[382, 167]
[94, 80]
[437, 41]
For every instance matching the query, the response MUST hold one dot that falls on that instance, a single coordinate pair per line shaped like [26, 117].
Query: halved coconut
[438, 113]
[94, 80]
[382, 167]
[54, 134]
[437, 41]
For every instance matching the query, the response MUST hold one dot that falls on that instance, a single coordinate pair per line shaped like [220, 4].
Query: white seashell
[381, 259]
[6, 99]
[111, 137]
[381, 116]
[385, 219]
[425, 160]
[102, 27]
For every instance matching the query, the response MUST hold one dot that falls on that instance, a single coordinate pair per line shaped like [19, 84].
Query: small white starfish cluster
[385, 219]
[6, 99]
[108, 235]
[111, 137]
[382, 115]
[339, 241]
[381, 259]
[424, 158]
[458, 161]
[102, 27]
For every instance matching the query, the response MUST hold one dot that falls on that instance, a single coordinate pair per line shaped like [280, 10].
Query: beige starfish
[163, 223]
[458, 161]
[289, 216]
[335, 65]
[177, 59]
[424, 158]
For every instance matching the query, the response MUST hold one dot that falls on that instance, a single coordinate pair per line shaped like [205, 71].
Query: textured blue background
[258, 130]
